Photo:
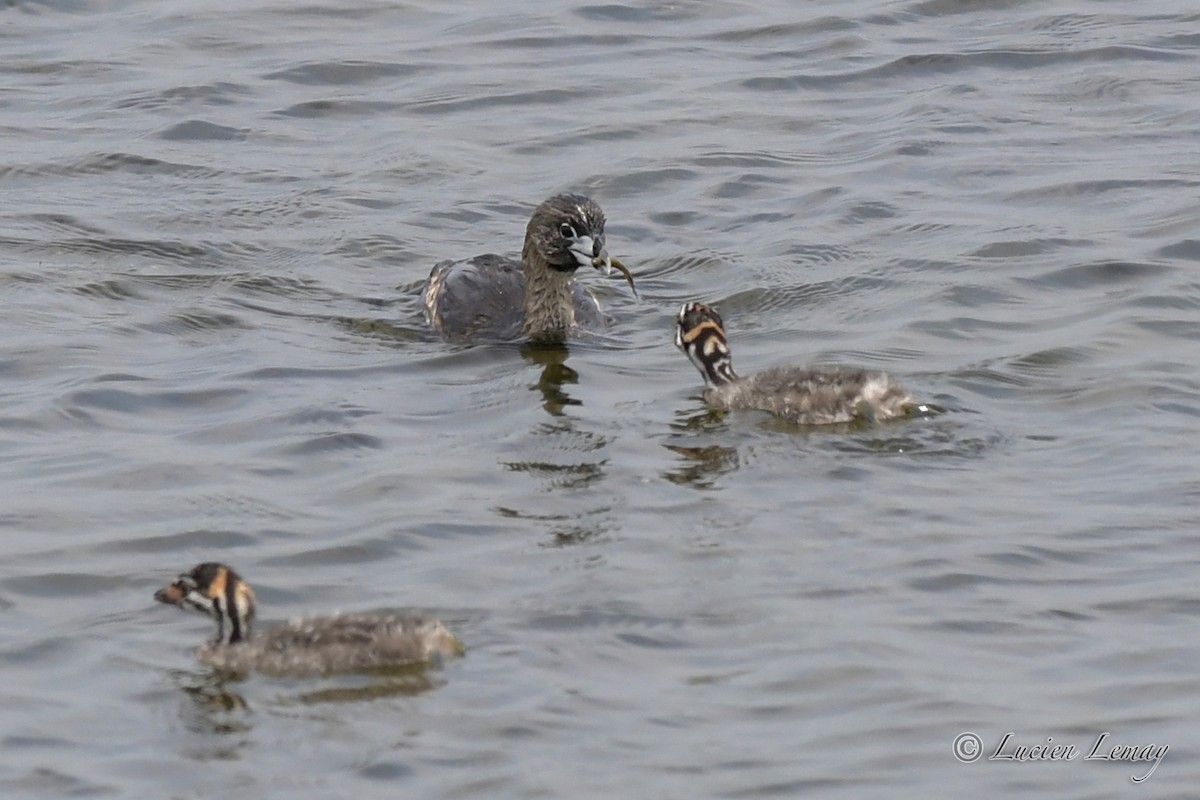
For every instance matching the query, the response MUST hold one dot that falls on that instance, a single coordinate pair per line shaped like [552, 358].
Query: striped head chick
[823, 396]
[216, 591]
[306, 646]
[700, 333]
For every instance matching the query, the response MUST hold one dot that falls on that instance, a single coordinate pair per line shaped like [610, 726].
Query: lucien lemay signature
[1101, 750]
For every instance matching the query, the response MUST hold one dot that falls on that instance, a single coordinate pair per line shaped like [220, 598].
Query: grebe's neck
[549, 303]
[218, 592]
[700, 334]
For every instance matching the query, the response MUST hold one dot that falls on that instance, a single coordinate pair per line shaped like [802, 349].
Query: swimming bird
[496, 297]
[802, 396]
[312, 646]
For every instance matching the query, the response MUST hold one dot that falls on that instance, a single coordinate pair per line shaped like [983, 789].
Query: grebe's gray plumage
[312, 646]
[802, 396]
[495, 297]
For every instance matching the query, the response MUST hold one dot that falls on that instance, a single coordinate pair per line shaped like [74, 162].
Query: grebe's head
[700, 334]
[216, 591]
[567, 232]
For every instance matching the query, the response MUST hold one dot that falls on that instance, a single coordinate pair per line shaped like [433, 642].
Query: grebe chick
[802, 396]
[312, 646]
[496, 297]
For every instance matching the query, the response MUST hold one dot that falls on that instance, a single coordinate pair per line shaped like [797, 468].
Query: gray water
[215, 219]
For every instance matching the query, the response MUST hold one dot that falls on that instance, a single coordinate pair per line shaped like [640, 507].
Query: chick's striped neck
[706, 347]
[230, 598]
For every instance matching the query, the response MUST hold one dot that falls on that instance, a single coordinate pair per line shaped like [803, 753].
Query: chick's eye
[566, 230]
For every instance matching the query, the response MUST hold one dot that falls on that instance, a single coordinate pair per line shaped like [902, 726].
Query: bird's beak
[584, 250]
[602, 262]
[172, 595]
[585, 253]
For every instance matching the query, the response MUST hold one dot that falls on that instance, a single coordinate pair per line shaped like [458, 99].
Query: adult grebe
[496, 297]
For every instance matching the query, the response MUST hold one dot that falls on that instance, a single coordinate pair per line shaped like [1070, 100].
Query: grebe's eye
[566, 230]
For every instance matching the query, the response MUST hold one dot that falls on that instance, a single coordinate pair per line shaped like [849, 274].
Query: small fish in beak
[607, 265]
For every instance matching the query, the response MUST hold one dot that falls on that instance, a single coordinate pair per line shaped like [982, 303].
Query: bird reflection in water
[555, 373]
[560, 455]
[701, 464]
[219, 708]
